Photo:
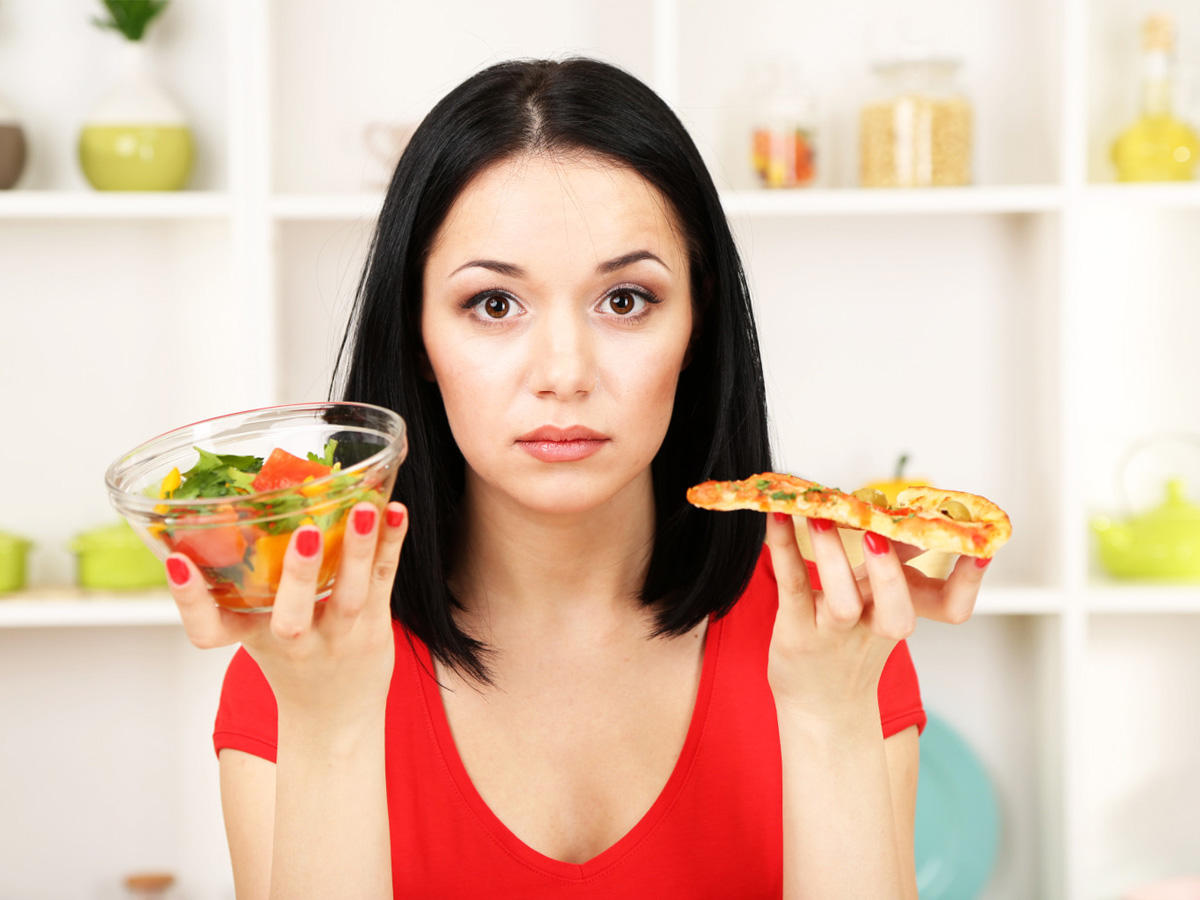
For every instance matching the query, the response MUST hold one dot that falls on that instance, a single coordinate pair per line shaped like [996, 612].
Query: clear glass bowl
[238, 541]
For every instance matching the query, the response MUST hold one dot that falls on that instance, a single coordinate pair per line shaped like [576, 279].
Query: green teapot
[1162, 543]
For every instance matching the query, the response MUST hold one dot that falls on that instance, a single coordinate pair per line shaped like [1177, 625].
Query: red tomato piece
[215, 546]
[282, 470]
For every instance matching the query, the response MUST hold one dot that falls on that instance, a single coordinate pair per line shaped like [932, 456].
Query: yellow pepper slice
[170, 484]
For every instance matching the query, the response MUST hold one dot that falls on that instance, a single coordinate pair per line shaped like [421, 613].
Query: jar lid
[946, 65]
[14, 542]
[118, 536]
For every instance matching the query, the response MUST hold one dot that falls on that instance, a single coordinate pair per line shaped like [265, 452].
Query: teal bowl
[957, 822]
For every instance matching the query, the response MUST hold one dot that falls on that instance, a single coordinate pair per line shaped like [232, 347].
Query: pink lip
[560, 451]
[552, 444]
[553, 433]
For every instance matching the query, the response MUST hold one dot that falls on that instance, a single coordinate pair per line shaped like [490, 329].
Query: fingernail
[364, 520]
[781, 517]
[177, 571]
[822, 524]
[876, 543]
[814, 575]
[308, 541]
[394, 516]
[982, 561]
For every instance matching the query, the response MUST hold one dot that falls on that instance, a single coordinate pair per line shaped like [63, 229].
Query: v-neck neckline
[628, 841]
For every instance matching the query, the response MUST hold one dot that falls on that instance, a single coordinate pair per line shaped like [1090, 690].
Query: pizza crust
[915, 519]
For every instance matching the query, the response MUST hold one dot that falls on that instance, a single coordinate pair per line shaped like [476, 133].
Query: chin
[566, 493]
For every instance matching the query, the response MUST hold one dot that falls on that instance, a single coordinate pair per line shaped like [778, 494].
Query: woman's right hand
[333, 659]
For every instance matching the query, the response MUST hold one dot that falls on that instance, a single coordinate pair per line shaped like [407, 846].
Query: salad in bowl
[228, 492]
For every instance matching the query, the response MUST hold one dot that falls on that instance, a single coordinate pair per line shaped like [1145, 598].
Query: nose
[563, 357]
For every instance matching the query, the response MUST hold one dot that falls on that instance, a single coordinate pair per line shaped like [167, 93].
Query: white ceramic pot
[136, 137]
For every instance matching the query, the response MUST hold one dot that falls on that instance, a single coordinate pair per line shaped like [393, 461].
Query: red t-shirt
[714, 831]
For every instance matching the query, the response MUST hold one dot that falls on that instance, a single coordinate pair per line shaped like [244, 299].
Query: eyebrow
[514, 271]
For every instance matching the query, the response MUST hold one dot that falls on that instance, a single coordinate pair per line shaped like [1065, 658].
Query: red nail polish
[822, 524]
[876, 543]
[177, 571]
[982, 561]
[814, 575]
[395, 516]
[364, 520]
[781, 517]
[308, 541]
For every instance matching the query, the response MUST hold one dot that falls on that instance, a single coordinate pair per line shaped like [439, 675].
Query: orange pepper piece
[266, 563]
[333, 553]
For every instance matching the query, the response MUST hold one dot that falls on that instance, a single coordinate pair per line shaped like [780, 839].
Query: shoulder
[247, 714]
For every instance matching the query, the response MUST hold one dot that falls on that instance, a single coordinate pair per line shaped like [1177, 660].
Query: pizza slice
[924, 516]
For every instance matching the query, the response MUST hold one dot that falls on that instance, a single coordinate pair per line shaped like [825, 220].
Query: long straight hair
[701, 561]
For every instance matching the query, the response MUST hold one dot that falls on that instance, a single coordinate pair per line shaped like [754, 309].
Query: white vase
[136, 137]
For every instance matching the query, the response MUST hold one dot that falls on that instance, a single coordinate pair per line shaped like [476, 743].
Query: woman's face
[531, 318]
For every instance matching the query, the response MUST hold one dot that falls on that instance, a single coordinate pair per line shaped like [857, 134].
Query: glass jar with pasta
[915, 131]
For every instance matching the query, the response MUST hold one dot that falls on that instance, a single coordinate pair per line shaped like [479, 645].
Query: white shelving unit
[1034, 325]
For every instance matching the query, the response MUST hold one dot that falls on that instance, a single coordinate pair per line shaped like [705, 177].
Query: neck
[553, 572]
[1156, 83]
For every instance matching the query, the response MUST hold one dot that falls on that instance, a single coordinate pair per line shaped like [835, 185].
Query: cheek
[471, 385]
[643, 381]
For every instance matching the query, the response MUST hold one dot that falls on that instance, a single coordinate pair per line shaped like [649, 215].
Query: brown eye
[621, 302]
[496, 306]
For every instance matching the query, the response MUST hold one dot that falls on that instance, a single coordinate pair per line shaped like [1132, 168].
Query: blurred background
[970, 230]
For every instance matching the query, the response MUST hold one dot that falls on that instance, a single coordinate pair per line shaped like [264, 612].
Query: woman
[570, 682]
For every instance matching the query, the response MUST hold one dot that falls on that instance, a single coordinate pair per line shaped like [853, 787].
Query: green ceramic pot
[114, 558]
[13, 550]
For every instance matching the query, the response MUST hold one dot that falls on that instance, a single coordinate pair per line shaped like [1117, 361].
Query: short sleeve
[900, 694]
[247, 716]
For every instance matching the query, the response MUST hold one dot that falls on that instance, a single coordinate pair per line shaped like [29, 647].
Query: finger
[955, 601]
[791, 573]
[841, 602]
[904, 552]
[207, 625]
[892, 611]
[387, 554]
[292, 616]
[353, 581]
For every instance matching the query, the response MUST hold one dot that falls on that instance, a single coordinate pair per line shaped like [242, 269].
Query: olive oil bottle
[1158, 146]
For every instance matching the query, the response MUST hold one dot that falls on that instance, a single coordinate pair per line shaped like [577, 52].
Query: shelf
[1143, 597]
[331, 207]
[798, 202]
[113, 205]
[1174, 195]
[1010, 199]
[892, 201]
[72, 607]
[1018, 601]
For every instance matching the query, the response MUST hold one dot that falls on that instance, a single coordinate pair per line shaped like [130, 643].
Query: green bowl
[114, 558]
[136, 157]
[13, 550]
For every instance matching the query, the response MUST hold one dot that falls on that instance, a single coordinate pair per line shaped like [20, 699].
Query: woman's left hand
[830, 643]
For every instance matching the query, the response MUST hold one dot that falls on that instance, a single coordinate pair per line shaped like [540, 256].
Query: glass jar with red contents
[782, 127]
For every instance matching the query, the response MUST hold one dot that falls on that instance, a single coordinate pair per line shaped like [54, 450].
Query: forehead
[534, 209]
